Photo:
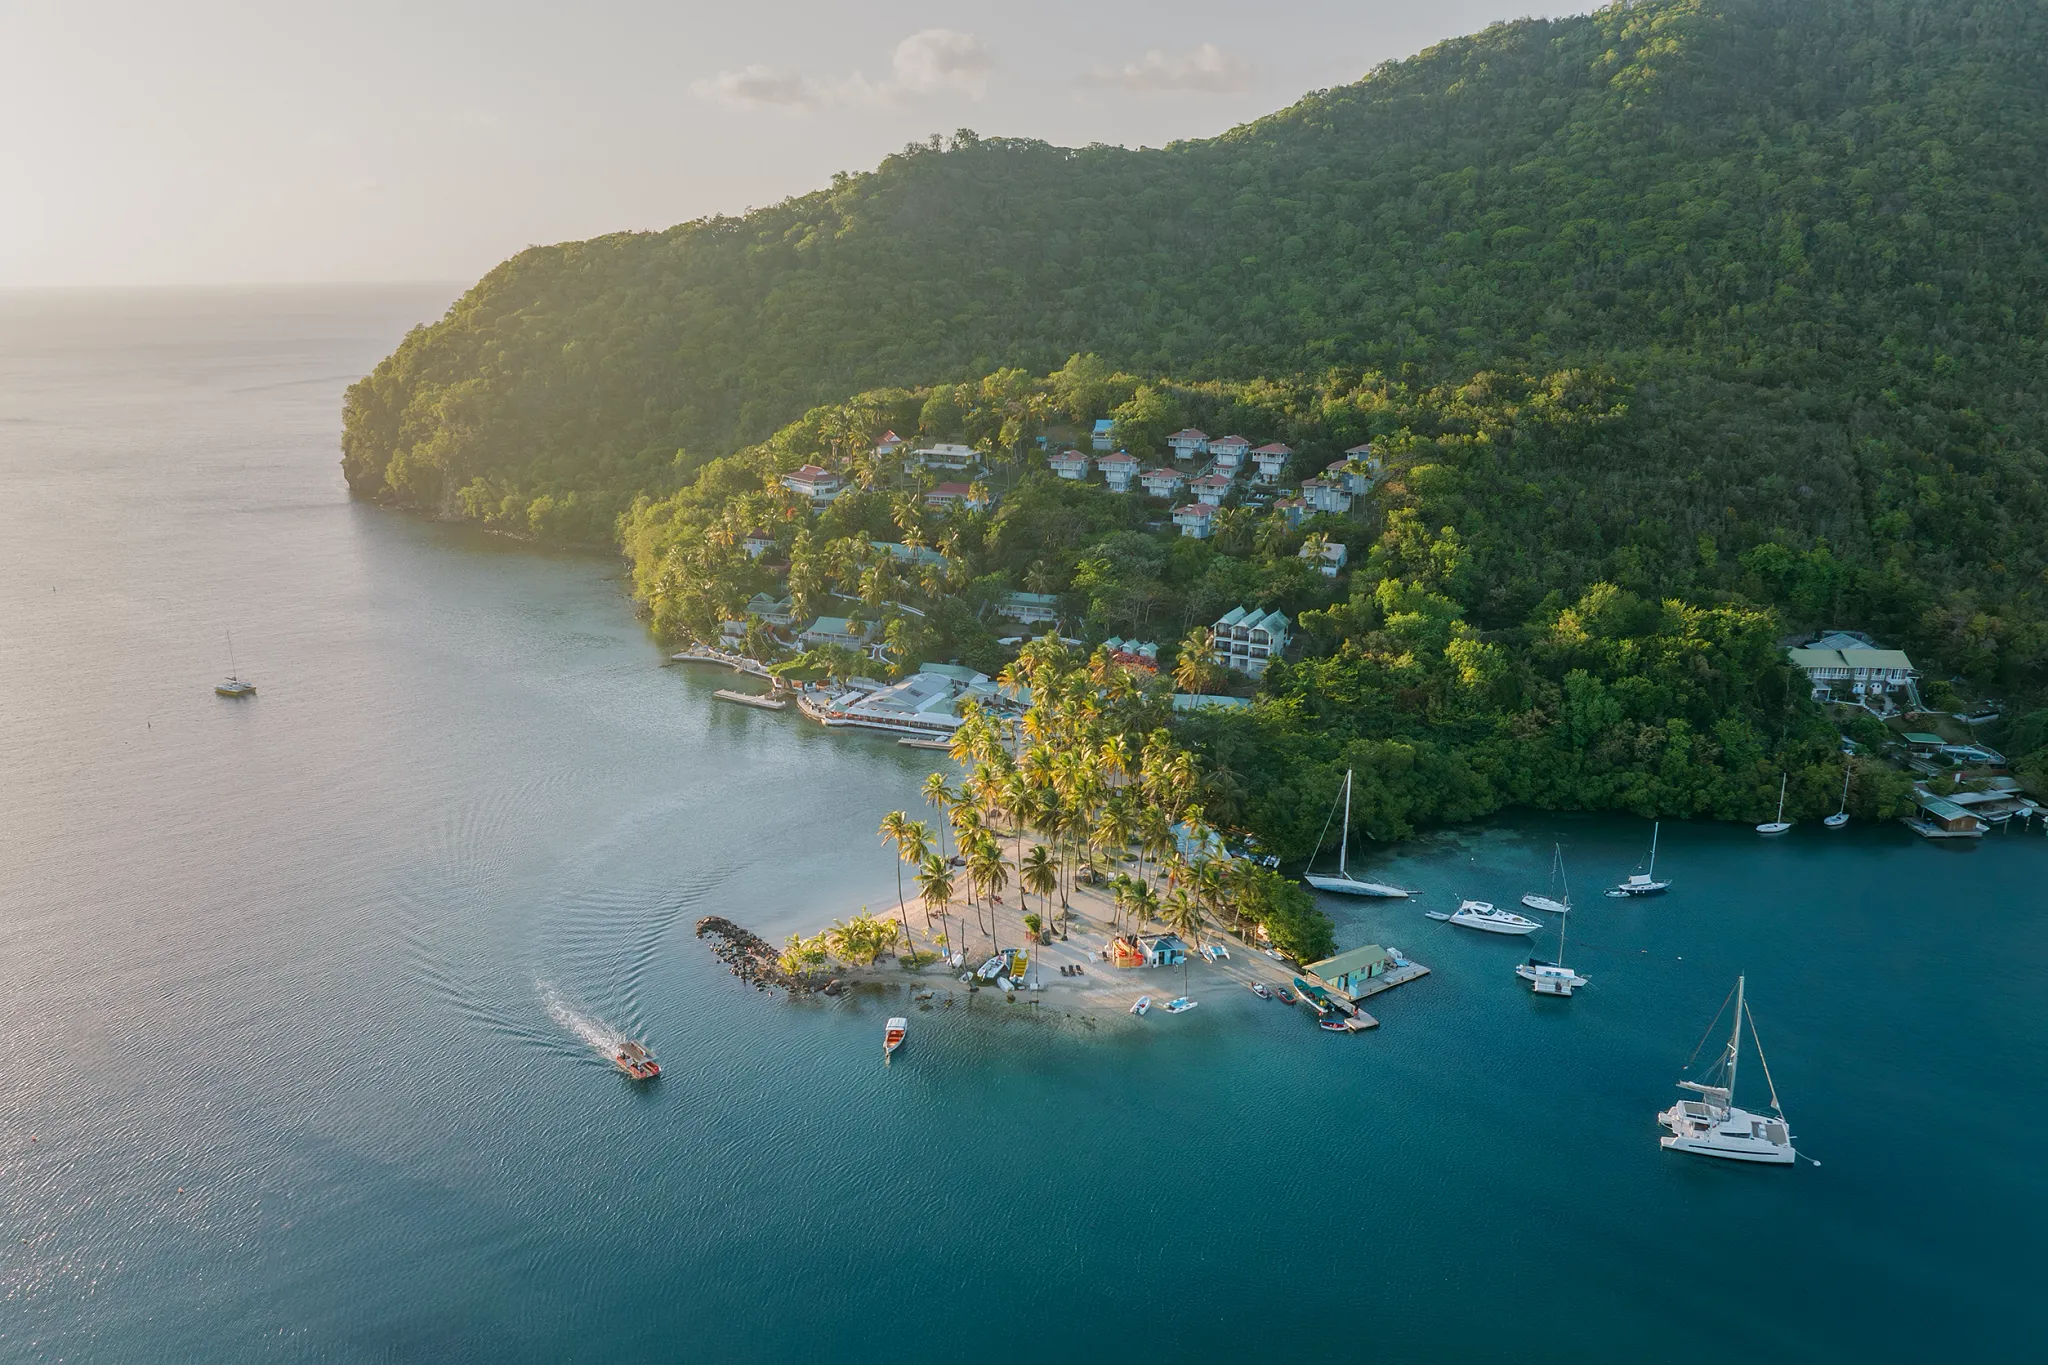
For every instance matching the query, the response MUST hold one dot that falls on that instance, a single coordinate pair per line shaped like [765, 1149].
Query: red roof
[810, 473]
[1274, 449]
[1202, 507]
[951, 490]
[1190, 434]
[889, 436]
[1118, 458]
[1229, 441]
[1173, 474]
[1211, 481]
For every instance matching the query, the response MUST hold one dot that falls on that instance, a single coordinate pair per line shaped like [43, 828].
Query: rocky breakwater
[754, 959]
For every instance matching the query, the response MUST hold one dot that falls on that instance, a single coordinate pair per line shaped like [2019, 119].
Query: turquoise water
[290, 992]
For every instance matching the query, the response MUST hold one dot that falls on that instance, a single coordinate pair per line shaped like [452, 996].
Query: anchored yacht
[1712, 1126]
[1342, 882]
[1485, 916]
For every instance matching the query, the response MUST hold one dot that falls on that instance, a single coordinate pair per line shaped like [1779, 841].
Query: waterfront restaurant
[1349, 972]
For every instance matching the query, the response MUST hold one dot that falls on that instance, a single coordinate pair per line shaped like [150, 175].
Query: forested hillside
[1790, 252]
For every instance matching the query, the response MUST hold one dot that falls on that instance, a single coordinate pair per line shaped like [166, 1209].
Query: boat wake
[600, 1036]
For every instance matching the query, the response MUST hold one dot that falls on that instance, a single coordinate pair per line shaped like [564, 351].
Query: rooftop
[1350, 960]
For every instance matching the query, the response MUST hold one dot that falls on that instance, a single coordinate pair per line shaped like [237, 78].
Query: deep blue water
[283, 986]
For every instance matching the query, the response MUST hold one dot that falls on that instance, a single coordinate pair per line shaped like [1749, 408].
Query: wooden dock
[1360, 1022]
[941, 744]
[1400, 976]
[754, 699]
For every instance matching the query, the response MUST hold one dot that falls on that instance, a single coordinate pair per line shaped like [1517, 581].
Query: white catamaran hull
[1351, 886]
[1730, 1134]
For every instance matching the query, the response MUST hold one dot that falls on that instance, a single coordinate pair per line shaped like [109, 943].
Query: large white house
[1271, 461]
[1118, 470]
[942, 455]
[947, 496]
[1852, 665]
[1211, 488]
[1248, 639]
[1030, 607]
[1194, 519]
[1229, 452]
[1162, 483]
[1188, 444]
[888, 444]
[1324, 496]
[1070, 464]
[819, 485]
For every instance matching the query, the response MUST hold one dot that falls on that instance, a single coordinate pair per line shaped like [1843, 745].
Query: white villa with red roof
[1229, 452]
[1194, 519]
[889, 443]
[819, 485]
[950, 495]
[1070, 464]
[1162, 483]
[1211, 488]
[1188, 444]
[1271, 461]
[1118, 469]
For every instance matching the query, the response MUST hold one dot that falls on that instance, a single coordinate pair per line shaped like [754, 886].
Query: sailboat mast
[1735, 1039]
[231, 652]
[1846, 770]
[1782, 778]
[1344, 837]
[1653, 848]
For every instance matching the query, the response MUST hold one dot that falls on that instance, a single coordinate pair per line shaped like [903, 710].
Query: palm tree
[1144, 903]
[935, 884]
[990, 873]
[939, 797]
[1195, 667]
[911, 846]
[1040, 875]
[1183, 915]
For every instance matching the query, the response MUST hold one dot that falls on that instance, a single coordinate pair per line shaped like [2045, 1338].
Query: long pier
[754, 699]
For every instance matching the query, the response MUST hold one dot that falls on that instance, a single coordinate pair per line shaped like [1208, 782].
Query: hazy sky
[202, 141]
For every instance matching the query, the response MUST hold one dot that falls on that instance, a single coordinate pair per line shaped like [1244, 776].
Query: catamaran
[1485, 916]
[1551, 978]
[1557, 883]
[1644, 883]
[1343, 883]
[1712, 1125]
[1777, 824]
[1841, 817]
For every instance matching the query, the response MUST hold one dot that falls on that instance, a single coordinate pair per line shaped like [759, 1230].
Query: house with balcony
[1328, 561]
[821, 486]
[1162, 483]
[1248, 639]
[757, 543]
[1070, 464]
[946, 455]
[1118, 470]
[1294, 510]
[1270, 462]
[1846, 666]
[1186, 445]
[1229, 453]
[1195, 519]
[1210, 488]
[1030, 607]
[888, 444]
[1139, 654]
[1366, 458]
[837, 630]
[1323, 496]
[947, 496]
[1103, 435]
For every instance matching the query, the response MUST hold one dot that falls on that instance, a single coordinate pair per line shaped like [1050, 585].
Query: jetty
[738, 663]
[754, 699]
[942, 745]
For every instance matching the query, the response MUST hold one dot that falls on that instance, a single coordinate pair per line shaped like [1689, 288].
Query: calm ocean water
[294, 993]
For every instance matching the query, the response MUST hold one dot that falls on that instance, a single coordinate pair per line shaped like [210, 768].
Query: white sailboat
[1343, 883]
[1779, 824]
[234, 685]
[1841, 817]
[1557, 883]
[1644, 883]
[1551, 978]
[1487, 918]
[1712, 1125]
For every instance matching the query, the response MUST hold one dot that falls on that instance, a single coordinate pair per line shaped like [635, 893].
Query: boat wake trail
[599, 1035]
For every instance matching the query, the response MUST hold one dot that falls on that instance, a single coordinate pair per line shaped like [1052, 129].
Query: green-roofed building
[1920, 739]
[1349, 971]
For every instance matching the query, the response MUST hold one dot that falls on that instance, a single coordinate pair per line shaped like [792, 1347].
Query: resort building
[1117, 471]
[1104, 434]
[1188, 444]
[1194, 519]
[1330, 561]
[1323, 496]
[1270, 462]
[1229, 452]
[948, 496]
[1162, 483]
[1348, 973]
[889, 443]
[1849, 667]
[1295, 510]
[1070, 464]
[773, 610]
[1248, 639]
[1138, 654]
[757, 543]
[926, 704]
[914, 555]
[1030, 607]
[942, 455]
[836, 630]
[821, 486]
[1210, 488]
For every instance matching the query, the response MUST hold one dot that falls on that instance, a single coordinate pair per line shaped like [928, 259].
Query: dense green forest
[1733, 304]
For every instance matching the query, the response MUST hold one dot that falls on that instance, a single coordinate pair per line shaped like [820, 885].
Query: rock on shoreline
[754, 959]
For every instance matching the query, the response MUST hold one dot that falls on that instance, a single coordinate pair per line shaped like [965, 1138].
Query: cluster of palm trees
[857, 942]
[1084, 790]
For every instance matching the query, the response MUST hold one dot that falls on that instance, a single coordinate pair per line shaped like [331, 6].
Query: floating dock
[943, 745]
[1360, 1022]
[754, 699]
[1400, 976]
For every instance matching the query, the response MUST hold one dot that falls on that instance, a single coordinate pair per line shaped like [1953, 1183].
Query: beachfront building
[1323, 496]
[1210, 488]
[925, 705]
[1849, 667]
[757, 543]
[1195, 519]
[1148, 950]
[1270, 462]
[1030, 607]
[1350, 972]
[1229, 453]
[1188, 444]
[1103, 436]
[947, 496]
[821, 486]
[1329, 561]
[1070, 464]
[773, 610]
[1118, 470]
[1162, 483]
[1248, 639]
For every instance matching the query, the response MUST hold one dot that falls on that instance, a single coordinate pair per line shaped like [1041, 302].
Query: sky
[209, 142]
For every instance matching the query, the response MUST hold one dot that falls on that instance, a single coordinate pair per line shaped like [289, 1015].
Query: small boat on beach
[1777, 824]
[1180, 1004]
[1644, 883]
[1141, 1004]
[892, 1035]
[636, 1061]
[1487, 918]
[1558, 884]
[1341, 881]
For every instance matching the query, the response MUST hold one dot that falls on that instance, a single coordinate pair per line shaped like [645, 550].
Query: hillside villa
[1851, 665]
[1117, 471]
[1248, 639]
[1162, 483]
[1210, 488]
[1188, 444]
[1070, 464]
[1330, 562]
[821, 486]
[1104, 434]
[1271, 461]
[947, 496]
[1324, 496]
[1229, 452]
[1194, 519]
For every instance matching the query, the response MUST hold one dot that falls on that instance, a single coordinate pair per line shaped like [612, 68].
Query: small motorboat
[1331, 1023]
[1284, 996]
[636, 1061]
[1262, 990]
[1141, 1004]
[1180, 1004]
[892, 1036]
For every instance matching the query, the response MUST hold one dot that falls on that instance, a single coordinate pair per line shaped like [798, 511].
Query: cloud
[933, 61]
[1208, 70]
